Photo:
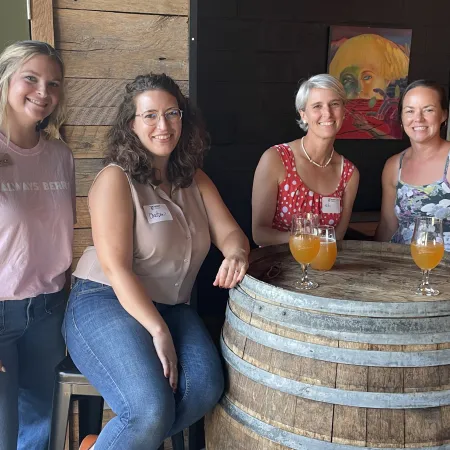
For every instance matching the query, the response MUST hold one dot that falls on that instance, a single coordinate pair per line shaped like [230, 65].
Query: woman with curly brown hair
[128, 325]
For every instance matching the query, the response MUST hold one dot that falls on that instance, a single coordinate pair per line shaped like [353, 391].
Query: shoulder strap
[446, 165]
[286, 155]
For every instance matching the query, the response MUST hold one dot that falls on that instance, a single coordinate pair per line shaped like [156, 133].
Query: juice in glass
[326, 257]
[304, 247]
[427, 256]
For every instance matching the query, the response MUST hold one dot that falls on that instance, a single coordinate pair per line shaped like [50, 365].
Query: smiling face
[34, 90]
[161, 138]
[324, 113]
[422, 114]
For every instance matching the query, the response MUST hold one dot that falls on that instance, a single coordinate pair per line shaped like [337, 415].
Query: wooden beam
[42, 21]
[169, 7]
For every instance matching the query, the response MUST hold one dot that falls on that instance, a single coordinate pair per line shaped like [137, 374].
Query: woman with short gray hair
[306, 175]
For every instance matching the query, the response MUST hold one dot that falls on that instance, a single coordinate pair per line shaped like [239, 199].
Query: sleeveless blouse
[171, 240]
[429, 200]
[295, 197]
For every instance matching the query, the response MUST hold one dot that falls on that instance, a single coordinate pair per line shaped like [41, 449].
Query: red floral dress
[295, 197]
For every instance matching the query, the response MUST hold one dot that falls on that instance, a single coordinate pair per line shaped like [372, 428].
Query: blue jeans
[31, 346]
[116, 353]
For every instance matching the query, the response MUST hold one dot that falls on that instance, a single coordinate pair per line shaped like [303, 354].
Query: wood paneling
[140, 44]
[85, 172]
[169, 7]
[42, 21]
[87, 141]
[95, 101]
[83, 217]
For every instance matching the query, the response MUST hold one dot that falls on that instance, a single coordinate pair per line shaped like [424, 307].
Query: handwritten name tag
[157, 213]
[331, 205]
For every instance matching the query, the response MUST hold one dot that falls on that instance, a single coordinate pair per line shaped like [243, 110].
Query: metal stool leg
[60, 416]
[178, 441]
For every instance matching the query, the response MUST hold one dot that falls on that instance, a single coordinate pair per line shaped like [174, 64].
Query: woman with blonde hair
[37, 212]
[306, 175]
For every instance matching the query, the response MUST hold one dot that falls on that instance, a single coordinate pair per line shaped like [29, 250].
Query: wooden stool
[71, 384]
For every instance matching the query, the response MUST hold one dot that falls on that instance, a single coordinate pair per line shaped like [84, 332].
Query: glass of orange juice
[427, 250]
[304, 244]
[328, 249]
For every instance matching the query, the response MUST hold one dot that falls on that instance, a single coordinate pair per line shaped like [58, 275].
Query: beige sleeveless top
[171, 240]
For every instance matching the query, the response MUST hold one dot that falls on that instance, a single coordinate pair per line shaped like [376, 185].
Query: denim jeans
[31, 346]
[116, 354]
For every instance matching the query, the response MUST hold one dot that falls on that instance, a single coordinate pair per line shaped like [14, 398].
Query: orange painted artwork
[373, 66]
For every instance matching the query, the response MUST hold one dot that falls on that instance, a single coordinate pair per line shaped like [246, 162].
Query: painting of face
[372, 64]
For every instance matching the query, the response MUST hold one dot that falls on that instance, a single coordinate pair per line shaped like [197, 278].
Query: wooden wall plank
[85, 172]
[172, 7]
[42, 21]
[98, 93]
[83, 217]
[82, 238]
[124, 46]
[86, 141]
[95, 101]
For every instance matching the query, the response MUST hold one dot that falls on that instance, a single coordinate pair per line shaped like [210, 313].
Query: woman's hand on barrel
[2, 367]
[232, 270]
[167, 355]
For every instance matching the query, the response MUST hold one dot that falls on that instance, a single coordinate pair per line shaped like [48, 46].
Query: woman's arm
[388, 221]
[269, 172]
[111, 210]
[226, 234]
[347, 204]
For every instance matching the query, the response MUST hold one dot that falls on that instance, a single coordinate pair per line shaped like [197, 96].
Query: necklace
[312, 161]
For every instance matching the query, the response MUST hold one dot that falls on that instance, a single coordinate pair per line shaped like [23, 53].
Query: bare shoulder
[112, 178]
[270, 163]
[204, 183]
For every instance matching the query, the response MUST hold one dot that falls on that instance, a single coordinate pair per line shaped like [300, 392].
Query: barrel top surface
[364, 271]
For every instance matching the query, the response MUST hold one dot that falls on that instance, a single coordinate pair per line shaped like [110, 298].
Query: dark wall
[251, 55]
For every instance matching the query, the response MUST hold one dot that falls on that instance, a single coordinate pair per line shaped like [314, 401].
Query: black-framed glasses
[152, 118]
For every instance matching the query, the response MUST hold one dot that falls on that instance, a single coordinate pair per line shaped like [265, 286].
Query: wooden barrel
[359, 362]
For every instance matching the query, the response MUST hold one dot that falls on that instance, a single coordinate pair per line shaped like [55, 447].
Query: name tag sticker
[157, 213]
[331, 205]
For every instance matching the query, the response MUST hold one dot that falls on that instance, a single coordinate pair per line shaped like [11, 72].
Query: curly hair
[126, 149]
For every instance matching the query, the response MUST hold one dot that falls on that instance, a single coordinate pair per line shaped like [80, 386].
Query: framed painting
[373, 65]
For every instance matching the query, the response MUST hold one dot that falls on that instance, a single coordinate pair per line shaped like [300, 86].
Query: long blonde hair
[11, 60]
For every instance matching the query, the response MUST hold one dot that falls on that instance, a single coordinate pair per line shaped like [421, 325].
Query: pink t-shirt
[37, 213]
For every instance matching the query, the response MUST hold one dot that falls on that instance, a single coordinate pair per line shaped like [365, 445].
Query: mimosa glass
[304, 244]
[326, 257]
[427, 250]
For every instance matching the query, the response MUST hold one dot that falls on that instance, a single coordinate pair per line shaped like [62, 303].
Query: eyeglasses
[152, 118]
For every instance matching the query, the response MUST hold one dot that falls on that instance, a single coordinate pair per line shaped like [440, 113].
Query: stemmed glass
[304, 244]
[427, 250]
[326, 257]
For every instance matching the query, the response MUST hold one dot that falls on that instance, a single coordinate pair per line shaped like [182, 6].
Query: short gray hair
[321, 81]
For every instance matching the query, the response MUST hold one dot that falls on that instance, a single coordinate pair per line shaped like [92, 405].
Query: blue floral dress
[429, 200]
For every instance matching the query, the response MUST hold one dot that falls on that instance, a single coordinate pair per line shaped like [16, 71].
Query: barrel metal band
[356, 329]
[337, 354]
[292, 440]
[353, 307]
[331, 395]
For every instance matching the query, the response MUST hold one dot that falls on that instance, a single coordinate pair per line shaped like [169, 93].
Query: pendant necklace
[312, 161]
